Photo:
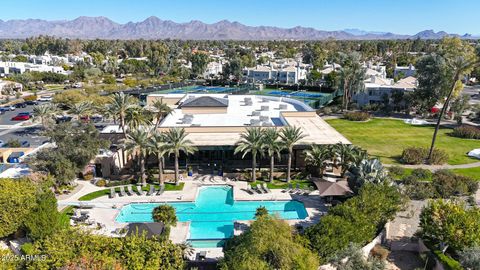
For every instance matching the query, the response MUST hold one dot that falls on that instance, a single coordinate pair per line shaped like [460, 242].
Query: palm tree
[349, 155]
[44, 113]
[351, 77]
[460, 66]
[273, 146]
[119, 103]
[137, 142]
[81, 109]
[317, 157]
[177, 142]
[157, 145]
[136, 116]
[251, 141]
[161, 109]
[290, 135]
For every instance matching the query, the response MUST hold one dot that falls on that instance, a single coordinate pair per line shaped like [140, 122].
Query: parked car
[24, 144]
[22, 116]
[21, 105]
[96, 118]
[15, 157]
[2, 143]
[45, 98]
[31, 102]
[11, 108]
[4, 109]
[63, 119]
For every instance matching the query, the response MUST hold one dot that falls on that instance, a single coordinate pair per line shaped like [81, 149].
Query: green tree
[461, 59]
[290, 135]
[17, 198]
[137, 142]
[80, 109]
[450, 224]
[199, 63]
[176, 139]
[261, 212]
[45, 113]
[136, 117]
[251, 141]
[166, 214]
[273, 147]
[157, 145]
[44, 220]
[351, 78]
[316, 157]
[120, 103]
[368, 171]
[352, 258]
[349, 155]
[268, 244]
[161, 110]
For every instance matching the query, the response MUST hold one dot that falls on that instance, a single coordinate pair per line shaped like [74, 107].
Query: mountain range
[154, 28]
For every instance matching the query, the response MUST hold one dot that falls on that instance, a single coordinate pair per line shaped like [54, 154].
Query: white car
[2, 143]
[45, 98]
[11, 108]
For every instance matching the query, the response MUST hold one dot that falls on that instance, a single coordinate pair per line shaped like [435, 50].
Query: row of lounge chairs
[262, 189]
[139, 191]
[296, 190]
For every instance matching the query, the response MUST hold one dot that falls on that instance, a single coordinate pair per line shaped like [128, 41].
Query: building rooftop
[205, 101]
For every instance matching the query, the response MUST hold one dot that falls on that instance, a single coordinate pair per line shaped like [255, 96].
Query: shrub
[101, 183]
[88, 176]
[414, 155]
[470, 257]
[448, 184]
[380, 252]
[166, 214]
[420, 191]
[396, 171]
[356, 116]
[467, 131]
[417, 155]
[422, 174]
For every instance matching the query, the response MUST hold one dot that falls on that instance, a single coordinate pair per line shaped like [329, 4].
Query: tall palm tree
[317, 157]
[137, 142]
[81, 109]
[351, 77]
[119, 103]
[290, 135]
[273, 146]
[161, 110]
[251, 141]
[136, 116]
[157, 145]
[44, 113]
[177, 142]
[460, 66]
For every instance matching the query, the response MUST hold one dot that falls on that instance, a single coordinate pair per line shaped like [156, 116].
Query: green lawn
[106, 192]
[471, 172]
[278, 184]
[387, 138]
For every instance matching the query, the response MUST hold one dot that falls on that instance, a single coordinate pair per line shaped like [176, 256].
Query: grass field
[387, 138]
[470, 172]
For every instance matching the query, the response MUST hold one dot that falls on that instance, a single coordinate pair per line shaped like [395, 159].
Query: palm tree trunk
[272, 163]
[160, 170]
[177, 181]
[254, 167]
[122, 123]
[289, 164]
[440, 116]
[142, 170]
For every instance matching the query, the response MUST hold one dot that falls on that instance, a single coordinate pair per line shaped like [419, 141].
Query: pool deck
[105, 209]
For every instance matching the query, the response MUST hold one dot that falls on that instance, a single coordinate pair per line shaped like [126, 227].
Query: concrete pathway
[436, 167]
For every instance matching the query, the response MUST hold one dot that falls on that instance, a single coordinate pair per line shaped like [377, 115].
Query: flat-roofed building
[215, 122]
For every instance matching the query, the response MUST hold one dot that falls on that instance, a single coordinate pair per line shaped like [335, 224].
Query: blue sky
[398, 16]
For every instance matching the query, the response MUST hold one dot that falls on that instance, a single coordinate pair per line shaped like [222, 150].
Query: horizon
[321, 15]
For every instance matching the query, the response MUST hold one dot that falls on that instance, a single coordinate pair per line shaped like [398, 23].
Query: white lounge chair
[161, 190]
[112, 193]
[265, 187]
[129, 190]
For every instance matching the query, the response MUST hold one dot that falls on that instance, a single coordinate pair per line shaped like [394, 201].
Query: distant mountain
[155, 28]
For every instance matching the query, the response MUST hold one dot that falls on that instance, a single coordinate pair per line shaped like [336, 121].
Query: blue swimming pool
[212, 215]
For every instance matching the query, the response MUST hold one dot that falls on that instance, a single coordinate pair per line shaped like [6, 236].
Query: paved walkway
[436, 167]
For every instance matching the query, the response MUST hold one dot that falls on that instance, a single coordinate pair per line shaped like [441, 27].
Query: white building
[7, 68]
[283, 74]
[378, 89]
[213, 69]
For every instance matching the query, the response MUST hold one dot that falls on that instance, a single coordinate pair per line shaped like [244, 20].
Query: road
[473, 92]
[5, 119]
[29, 134]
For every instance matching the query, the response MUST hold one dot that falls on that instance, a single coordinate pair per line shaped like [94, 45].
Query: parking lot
[5, 118]
[30, 134]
